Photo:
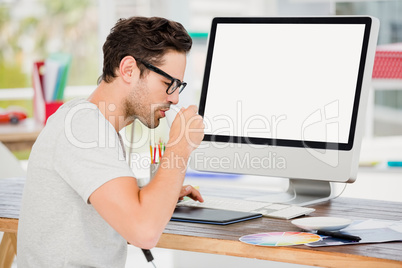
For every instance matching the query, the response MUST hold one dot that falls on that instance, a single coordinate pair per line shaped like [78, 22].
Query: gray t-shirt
[77, 152]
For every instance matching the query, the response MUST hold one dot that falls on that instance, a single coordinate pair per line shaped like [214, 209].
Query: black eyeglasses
[174, 84]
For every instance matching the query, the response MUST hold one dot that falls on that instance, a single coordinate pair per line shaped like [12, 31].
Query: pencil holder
[152, 170]
[51, 108]
[43, 110]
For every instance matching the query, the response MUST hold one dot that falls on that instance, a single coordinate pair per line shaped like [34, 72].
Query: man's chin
[155, 125]
[150, 122]
[152, 125]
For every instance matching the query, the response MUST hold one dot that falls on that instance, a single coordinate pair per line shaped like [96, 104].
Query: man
[81, 202]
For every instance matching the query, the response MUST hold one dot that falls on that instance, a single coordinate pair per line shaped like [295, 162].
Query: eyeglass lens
[176, 84]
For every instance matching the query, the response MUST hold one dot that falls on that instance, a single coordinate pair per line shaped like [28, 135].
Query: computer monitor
[287, 97]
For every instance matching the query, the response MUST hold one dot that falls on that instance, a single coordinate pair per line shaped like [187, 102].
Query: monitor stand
[300, 192]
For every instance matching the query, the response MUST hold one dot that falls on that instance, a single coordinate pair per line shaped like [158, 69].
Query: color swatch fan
[275, 239]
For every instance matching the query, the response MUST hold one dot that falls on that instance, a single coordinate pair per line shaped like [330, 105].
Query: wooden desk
[10, 202]
[21, 136]
[224, 239]
[8, 245]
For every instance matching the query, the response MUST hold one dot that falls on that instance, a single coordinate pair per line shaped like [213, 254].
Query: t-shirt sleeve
[89, 153]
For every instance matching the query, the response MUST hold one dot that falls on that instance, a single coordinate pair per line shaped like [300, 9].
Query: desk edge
[279, 254]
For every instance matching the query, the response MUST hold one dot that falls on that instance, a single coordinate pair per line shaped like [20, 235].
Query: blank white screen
[284, 81]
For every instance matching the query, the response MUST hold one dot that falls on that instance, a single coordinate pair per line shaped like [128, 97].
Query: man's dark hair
[146, 39]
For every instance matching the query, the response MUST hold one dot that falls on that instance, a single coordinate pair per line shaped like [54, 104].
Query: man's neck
[108, 98]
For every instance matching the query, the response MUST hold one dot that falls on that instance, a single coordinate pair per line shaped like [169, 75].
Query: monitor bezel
[367, 21]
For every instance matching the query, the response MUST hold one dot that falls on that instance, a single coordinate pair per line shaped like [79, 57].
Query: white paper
[51, 75]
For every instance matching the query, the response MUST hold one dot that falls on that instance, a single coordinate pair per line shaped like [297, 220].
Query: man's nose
[174, 97]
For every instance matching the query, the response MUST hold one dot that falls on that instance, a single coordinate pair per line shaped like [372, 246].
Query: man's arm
[140, 215]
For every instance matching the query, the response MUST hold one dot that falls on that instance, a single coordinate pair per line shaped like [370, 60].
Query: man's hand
[187, 130]
[191, 192]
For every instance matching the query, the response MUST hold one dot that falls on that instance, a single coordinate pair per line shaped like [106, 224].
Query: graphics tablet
[211, 216]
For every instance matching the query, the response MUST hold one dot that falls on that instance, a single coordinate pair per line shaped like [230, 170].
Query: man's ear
[128, 68]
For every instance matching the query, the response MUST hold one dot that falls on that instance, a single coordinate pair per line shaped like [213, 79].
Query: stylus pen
[339, 235]
[148, 254]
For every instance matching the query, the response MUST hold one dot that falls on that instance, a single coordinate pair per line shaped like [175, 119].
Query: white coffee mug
[171, 114]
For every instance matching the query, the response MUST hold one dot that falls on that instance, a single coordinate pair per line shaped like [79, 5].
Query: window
[387, 104]
[32, 29]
